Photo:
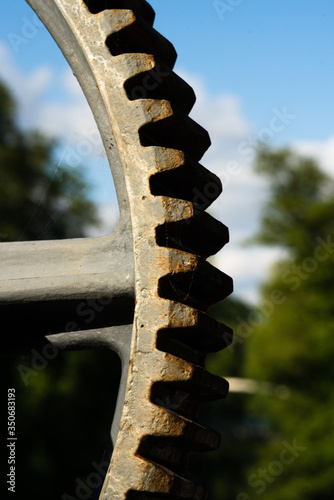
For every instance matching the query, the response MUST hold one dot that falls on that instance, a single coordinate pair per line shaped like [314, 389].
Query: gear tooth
[175, 211]
[110, 25]
[169, 341]
[200, 288]
[168, 424]
[173, 453]
[176, 132]
[158, 482]
[130, 66]
[181, 385]
[194, 336]
[186, 180]
[173, 262]
[155, 112]
[125, 32]
[202, 235]
[139, 7]
[140, 37]
[184, 395]
[160, 82]
[181, 489]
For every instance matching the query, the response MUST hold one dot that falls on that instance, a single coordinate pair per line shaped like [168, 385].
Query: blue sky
[264, 51]
[248, 60]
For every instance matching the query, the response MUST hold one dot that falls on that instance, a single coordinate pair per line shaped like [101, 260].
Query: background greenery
[285, 345]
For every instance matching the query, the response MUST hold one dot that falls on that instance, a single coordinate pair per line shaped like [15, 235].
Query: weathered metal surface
[76, 269]
[141, 107]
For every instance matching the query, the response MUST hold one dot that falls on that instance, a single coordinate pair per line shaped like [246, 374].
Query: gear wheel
[141, 106]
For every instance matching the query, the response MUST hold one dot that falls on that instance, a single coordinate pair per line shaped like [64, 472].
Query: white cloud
[109, 216]
[221, 114]
[248, 266]
[322, 151]
[26, 88]
[49, 101]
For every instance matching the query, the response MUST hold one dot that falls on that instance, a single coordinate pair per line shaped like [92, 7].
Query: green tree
[38, 200]
[293, 349]
[225, 469]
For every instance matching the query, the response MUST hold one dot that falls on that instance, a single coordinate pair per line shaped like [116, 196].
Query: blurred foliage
[300, 205]
[225, 469]
[277, 441]
[293, 347]
[63, 418]
[38, 198]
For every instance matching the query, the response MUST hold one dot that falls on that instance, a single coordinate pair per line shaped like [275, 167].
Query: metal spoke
[67, 269]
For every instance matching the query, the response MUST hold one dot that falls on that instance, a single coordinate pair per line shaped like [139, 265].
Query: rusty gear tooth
[173, 453]
[194, 342]
[188, 181]
[202, 235]
[180, 488]
[177, 131]
[110, 25]
[196, 329]
[131, 66]
[164, 451]
[176, 175]
[183, 489]
[184, 397]
[159, 483]
[200, 288]
[172, 343]
[180, 386]
[139, 7]
[161, 82]
[175, 440]
[140, 37]
[169, 424]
